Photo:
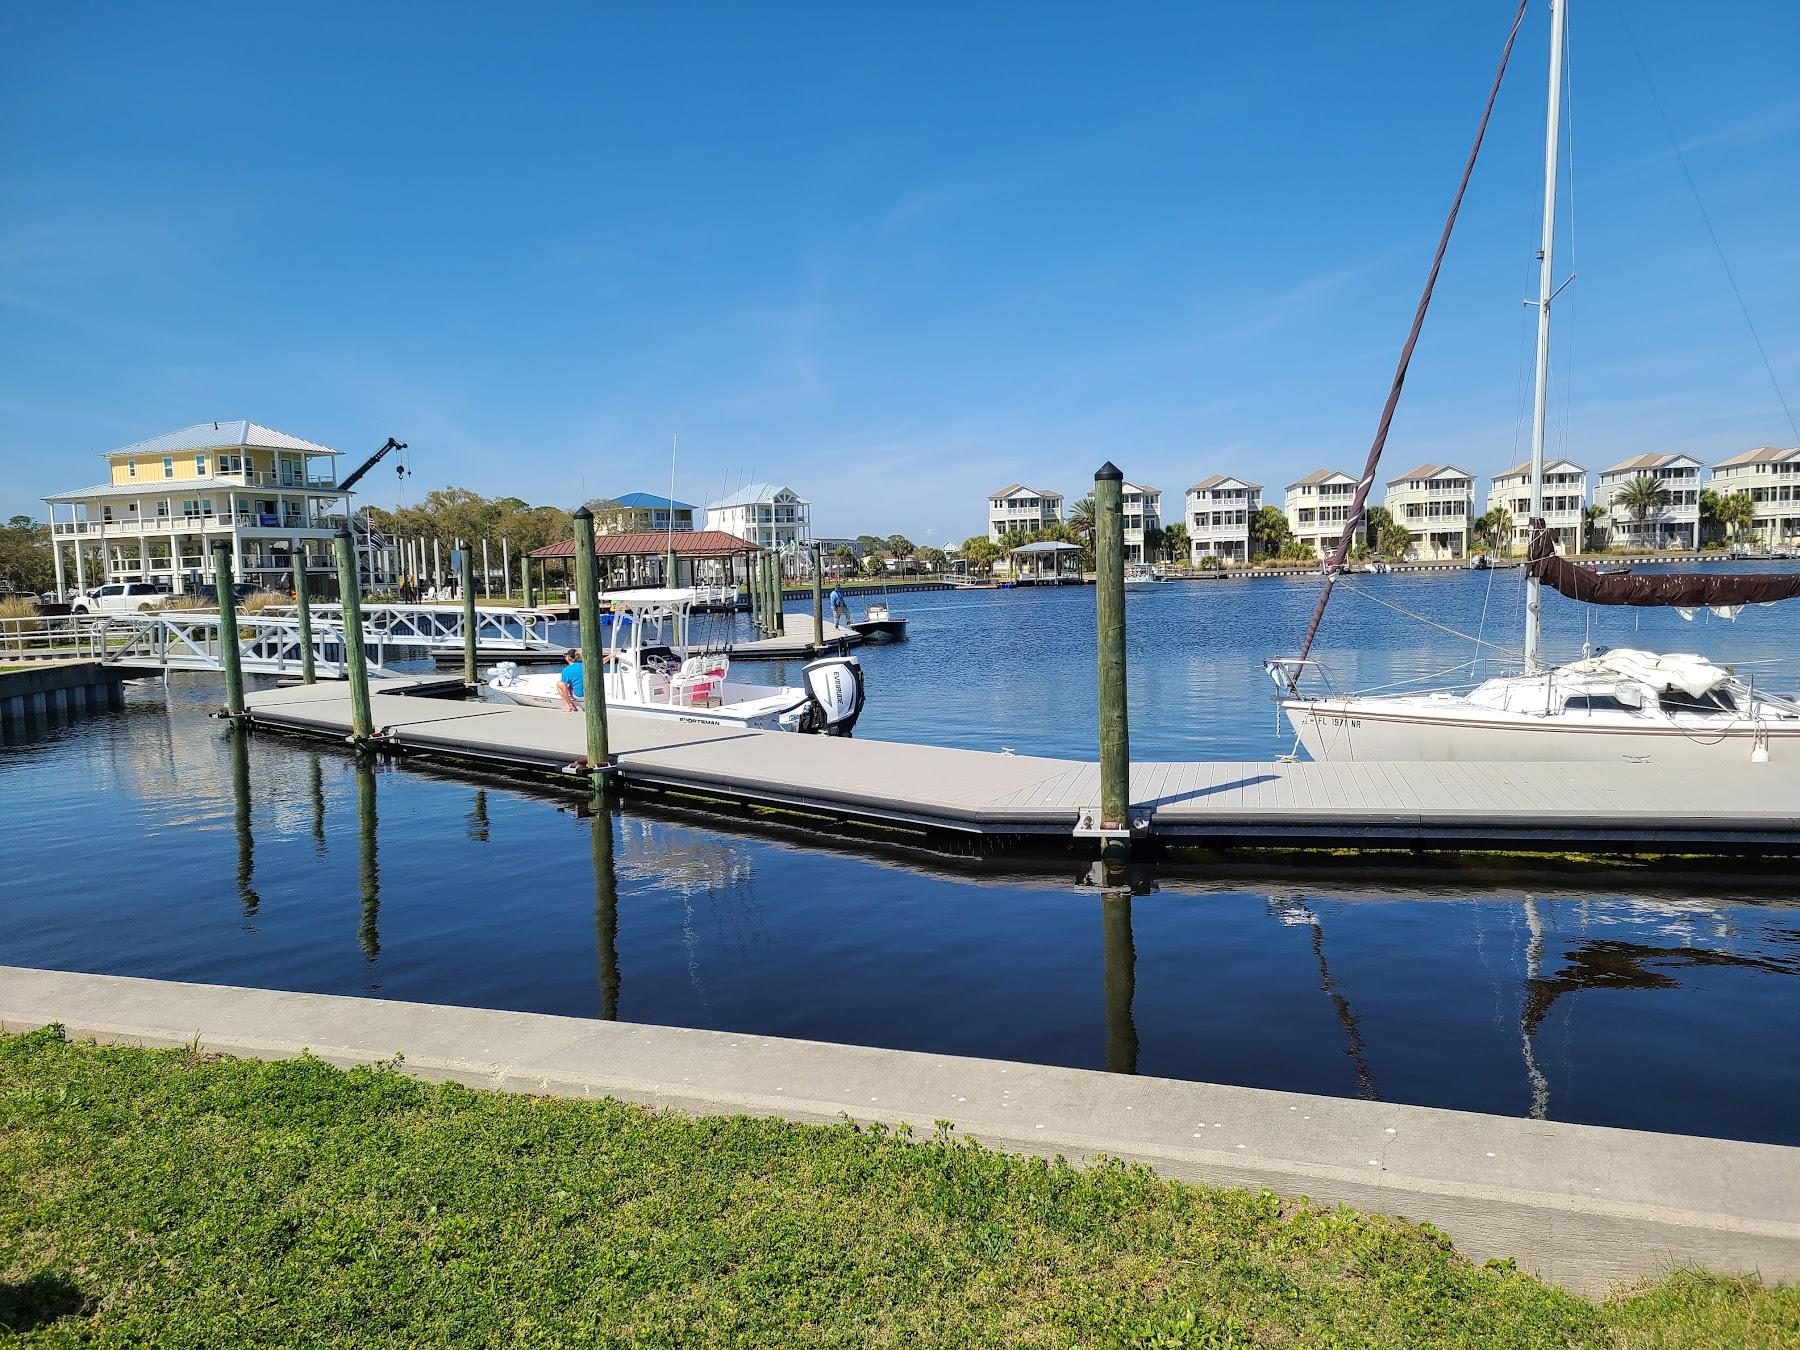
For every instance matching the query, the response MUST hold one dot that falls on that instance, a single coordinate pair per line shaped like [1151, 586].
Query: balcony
[131, 528]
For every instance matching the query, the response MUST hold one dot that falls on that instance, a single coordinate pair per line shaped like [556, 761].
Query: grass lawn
[161, 1197]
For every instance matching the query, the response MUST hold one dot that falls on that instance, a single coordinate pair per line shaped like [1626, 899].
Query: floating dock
[796, 640]
[958, 796]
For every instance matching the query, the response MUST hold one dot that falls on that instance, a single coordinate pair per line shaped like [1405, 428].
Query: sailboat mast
[1534, 590]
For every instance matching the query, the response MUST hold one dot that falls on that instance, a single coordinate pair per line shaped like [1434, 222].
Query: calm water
[152, 843]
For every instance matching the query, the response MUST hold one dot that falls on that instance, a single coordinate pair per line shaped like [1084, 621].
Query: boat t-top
[652, 668]
[1141, 577]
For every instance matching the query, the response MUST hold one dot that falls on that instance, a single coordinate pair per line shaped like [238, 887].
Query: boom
[370, 463]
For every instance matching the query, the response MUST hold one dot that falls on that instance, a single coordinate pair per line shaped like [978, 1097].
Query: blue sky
[894, 258]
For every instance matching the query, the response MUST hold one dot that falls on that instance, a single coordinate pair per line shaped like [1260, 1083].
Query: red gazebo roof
[655, 544]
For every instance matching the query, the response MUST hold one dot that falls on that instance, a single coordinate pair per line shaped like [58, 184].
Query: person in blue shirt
[573, 684]
[840, 612]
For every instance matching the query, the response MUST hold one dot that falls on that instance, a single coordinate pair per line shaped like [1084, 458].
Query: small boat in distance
[650, 669]
[1141, 577]
[879, 622]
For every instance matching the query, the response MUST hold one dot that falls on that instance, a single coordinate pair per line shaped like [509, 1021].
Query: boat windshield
[1713, 702]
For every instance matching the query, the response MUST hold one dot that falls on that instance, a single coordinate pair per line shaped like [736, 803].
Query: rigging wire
[1706, 218]
[1433, 623]
[1353, 517]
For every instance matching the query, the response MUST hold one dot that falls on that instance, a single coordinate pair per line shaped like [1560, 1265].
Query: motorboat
[1623, 705]
[1141, 577]
[652, 669]
[879, 622]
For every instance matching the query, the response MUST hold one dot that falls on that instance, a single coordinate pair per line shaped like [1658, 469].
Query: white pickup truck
[117, 597]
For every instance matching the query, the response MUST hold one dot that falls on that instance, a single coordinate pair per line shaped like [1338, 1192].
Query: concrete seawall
[1582, 1206]
[66, 689]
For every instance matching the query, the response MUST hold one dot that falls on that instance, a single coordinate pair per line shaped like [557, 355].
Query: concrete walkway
[1582, 1206]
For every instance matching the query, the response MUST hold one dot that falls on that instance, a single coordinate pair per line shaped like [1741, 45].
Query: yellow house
[164, 501]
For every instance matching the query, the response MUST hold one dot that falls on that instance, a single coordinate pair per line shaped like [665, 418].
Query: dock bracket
[1087, 826]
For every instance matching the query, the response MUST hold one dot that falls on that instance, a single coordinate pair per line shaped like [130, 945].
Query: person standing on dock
[840, 612]
[573, 684]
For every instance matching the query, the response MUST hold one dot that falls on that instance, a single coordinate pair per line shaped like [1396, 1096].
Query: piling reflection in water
[1120, 980]
[240, 813]
[368, 932]
[315, 786]
[478, 817]
[1294, 911]
[606, 909]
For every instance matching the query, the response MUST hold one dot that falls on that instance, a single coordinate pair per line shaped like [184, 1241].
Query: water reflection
[239, 738]
[315, 791]
[606, 910]
[478, 817]
[1119, 979]
[368, 932]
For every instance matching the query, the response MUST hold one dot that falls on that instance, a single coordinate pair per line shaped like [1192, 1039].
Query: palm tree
[1737, 513]
[1495, 527]
[1081, 520]
[1175, 542]
[1641, 496]
[1711, 526]
[1590, 521]
[1269, 530]
[1395, 539]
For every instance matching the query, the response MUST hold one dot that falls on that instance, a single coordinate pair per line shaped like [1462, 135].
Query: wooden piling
[593, 665]
[303, 610]
[229, 657]
[355, 659]
[525, 595]
[1109, 616]
[818, 598]
[466, 567]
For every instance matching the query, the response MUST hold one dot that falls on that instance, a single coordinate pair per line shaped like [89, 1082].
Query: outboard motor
[834, 695]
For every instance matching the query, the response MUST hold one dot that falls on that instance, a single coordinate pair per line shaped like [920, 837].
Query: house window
[162, 508]
[200, 466]
[106, 514]
[131, 468]
[168, 468]
[206, 506]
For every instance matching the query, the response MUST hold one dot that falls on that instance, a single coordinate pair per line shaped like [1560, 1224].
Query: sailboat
[1623, 704]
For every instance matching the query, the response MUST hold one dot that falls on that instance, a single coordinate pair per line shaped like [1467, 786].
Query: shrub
[18, 607]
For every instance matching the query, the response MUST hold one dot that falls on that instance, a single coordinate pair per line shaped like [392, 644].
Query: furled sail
[1685, 590]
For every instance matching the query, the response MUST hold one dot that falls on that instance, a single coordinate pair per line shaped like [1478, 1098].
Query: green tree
[980, 553]
[899, 546]
[1395, 540]
[25, 559]
[1711, 527]
[1593, 528]
[1081, 521]
[869, 542]
[1153, 542]
[1269, 530]
[1494, 528]
[1175, 542]
[932, 559]
[845, 557]
[1737, 513]
[1642, 496]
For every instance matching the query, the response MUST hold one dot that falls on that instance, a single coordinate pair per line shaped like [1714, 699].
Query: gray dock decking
[1555, 807]
[796, 639]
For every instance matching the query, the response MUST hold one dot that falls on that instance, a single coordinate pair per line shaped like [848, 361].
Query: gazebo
[1051, 551]
[655, 558]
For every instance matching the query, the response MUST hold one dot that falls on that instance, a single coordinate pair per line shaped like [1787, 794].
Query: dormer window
[131, 468]
[168, 468]
[200, 465]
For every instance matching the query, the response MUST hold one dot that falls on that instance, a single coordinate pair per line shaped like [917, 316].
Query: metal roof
[1025, 487]
[1214, 480]
[1767, 454]
[1433, 471]
[1649, 461]
[1319, 476]
[755, 494]
[1550, 466]
[648, 501]
[1048, 546]
[150, 488]
[655, 544]
[221, 436]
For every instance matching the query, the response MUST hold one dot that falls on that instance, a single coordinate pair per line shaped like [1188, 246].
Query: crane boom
[370, 463]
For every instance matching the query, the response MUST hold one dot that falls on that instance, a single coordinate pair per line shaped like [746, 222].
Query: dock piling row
[587, 595]
[303, 611]
[229, 657]
[355, 659]
[1109, 617]
[465, 556]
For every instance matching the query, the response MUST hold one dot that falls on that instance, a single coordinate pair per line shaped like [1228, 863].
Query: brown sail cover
[1689, 590]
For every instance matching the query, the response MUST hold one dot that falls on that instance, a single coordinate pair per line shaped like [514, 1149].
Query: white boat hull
[1344, 730]
[759, 714]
